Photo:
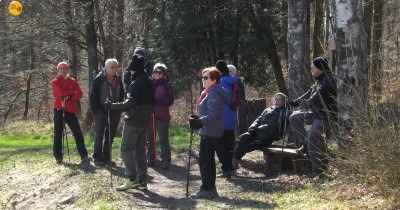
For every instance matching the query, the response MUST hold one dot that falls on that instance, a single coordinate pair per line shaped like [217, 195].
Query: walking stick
[109, 142]
[188, 167]
[64, 134]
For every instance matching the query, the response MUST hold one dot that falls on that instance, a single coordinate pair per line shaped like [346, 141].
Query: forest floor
[37, 182]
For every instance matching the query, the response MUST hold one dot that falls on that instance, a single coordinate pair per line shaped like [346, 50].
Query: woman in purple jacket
[164, 98]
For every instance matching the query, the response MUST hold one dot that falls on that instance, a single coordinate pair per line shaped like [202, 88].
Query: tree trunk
[91, 38]
[298, 46]
[351, 63]
[318, 33]
[71, 39]
[219, 30]
[119, 31]
[376, 59]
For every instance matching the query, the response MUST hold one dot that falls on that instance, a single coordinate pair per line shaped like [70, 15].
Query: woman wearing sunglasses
[210, 121]
[164, 98]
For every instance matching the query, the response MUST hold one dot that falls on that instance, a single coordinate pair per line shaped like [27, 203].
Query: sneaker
[128, 184]
[235, 163]
[205, 194]
[227, 174]
[140, 185]
[59, 161]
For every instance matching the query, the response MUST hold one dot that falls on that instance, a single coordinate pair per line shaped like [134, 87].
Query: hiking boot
[128, 184]
[140, 185]
[150, 163]
[226, 174]
[59, 161]
[235, 163]
[205, 194]
[165, 164]
[98, 163]
[85, 162]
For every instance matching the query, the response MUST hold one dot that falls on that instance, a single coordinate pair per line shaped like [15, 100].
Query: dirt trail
[46, 185]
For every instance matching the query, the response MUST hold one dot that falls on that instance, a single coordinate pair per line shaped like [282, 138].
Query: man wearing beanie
[226, 144]
[139, 51]
[318, 109]
[67, 93]
[138, 108]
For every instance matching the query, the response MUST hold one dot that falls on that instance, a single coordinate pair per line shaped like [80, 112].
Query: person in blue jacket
[226, 143]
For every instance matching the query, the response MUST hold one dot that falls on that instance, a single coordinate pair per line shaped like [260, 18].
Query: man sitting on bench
[268, 127]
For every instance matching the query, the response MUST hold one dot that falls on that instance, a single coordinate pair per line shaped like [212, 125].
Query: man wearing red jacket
[66, 93]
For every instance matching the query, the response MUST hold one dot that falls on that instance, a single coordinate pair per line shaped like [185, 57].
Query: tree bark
[298, 46]
[91, 38]
[351, 63]
[318, 33]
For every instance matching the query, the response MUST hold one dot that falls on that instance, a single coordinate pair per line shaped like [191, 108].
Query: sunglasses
[157, 72]
[204, 78]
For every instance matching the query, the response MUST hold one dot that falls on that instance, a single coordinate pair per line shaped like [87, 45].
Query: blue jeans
[313, 139]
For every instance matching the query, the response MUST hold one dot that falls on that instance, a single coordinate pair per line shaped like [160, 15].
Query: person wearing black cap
[138, 108]
[139, 51]
[318, 109]
[226, 143]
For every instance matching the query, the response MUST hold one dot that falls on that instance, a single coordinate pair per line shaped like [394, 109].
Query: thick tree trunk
[298, 46]
[351, 63]
[318, 33]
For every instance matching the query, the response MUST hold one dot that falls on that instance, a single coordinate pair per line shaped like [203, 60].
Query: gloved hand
[195, 123]
[107, 105]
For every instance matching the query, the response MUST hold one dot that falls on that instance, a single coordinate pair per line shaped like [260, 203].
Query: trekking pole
[64, 134]
[188, 167]
[109, 143]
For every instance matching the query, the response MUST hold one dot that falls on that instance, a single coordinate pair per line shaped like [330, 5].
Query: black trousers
[207, 162]
[224, 150]
[72, 121]
[247, 143]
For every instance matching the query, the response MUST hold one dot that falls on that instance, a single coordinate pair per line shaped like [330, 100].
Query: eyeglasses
[204, 78]
[157, 72]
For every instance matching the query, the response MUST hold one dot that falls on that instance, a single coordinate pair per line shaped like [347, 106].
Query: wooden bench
[281, 155]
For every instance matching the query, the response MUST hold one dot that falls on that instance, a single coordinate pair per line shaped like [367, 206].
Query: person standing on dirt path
[67, 93]
[210, 121]
[138, 108]
[164, 98]
[107, 86]
[227, 142]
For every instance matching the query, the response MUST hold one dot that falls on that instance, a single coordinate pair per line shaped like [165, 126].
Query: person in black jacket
[318, 109]
[267, 128]
[128, 73]
[107, 86]
[138, 108]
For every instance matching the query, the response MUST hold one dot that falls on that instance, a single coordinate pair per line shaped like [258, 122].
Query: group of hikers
[145, 95]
